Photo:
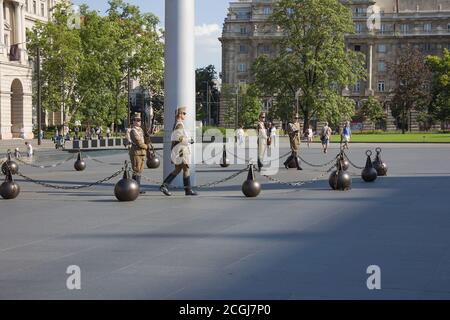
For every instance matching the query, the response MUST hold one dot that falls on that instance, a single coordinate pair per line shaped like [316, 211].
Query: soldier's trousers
[137, 163]
[179, 167]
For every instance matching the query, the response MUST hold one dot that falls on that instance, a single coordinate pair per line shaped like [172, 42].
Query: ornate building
[16, 108]
[423, 24]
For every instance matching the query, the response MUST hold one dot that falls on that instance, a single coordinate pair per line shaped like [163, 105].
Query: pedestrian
[240, 134]
[294, 132]
[17, 153]
[180, 155]
[77, 131]
[108, 132]
[262, 139]
[41, 134]
[346, 134]
[29, 149]
[325, 137]
[309, 135]
[138, 149]
[273, 134]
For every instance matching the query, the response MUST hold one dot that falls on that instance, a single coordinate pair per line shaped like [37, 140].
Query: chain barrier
[103, 162]
[205, 185]
[318, 165]
[45, 166]
[354, 165]
[78, 187]
[297, 184]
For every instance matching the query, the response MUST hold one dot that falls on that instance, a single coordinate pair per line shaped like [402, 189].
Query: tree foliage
[371, 110]
[312, 55]
[440, 105]
[84, 70]
[242, 107]
[412, 81]
[205, 78]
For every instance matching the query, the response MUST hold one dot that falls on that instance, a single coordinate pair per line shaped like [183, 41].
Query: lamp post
[237, 107]
[39, 104]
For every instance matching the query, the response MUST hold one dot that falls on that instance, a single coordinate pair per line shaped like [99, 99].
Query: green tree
[440, 105]
[371, 110]
[205, 84]
[84, 69]
[412, 79]
[312, 56]
[242, 107]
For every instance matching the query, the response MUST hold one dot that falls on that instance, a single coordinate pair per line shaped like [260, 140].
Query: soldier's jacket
[181, 152]
[138, 143]
[294, 134]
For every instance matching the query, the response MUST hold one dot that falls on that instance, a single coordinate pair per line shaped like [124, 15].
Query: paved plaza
[289, 243]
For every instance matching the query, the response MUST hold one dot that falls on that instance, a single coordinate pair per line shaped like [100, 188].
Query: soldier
[181, 155]
[262, 139]
[294, 140]
[138, 148]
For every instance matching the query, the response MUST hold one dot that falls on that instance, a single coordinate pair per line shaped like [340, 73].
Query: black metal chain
[205, 185]
[318, 165]
[45, 166]
[354, 165]
[297, 184]
[47, 185]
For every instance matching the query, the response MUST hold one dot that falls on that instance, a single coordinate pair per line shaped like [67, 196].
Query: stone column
[2, 32]
[17, 24]
[23, 46]
[179, 82]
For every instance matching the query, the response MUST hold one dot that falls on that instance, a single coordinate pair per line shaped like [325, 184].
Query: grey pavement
[289, 243]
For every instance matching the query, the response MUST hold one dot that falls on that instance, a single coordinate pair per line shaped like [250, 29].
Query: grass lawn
[395, 137]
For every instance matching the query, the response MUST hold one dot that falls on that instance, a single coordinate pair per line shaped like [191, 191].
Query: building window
[404, 28]
[267, 11]
[243, 15]
[358, 28]
[42, 10]
[382, 48]
[427, 27]
[357, 87]
[381, 86]
[381, 66]
[243, 30]
[427, 47]
[448, 27]
[382, 28]
[26, 6]
[242, 67]
[242, 48]
[34, 7]
[358, 48]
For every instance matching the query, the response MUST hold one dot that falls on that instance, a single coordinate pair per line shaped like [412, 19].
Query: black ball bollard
[9, 189]
[80, 164]
[13, 167]
[251, 188]
[225, 162]
[369, 174]
[379, 165]
[340, 179]
[344, 162]
[126, 189]
[152, 161]
[292, 163]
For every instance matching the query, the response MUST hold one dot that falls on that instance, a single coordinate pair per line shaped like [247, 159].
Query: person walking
[309, 135]
[30, 150]
[346, 134]
[294, 141]
[325, 137]
[273, 134]
[240, 135]
[17, 153]
[108, 132]
[180, 155]
[262, 139]
[138, 149]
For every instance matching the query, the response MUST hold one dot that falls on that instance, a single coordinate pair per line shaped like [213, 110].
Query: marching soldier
[138, 149]
[262, 139]
[181, 155]
[294, 132]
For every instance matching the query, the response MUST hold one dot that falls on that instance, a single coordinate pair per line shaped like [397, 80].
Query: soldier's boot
[164, 188]
[260, 165]
[187, 187]
[288, 160]
[297, 163]
[138, 180]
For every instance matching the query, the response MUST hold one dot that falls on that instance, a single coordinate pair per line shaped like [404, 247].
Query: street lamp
[297, 95]
[237, 107]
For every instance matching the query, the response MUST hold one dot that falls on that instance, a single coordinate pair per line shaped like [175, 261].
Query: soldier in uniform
[138, 149]
[294, 132]
[262, 139]
[180, 155]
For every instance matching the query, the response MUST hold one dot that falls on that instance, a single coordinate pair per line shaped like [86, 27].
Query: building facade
[16, 106]
[421, 24]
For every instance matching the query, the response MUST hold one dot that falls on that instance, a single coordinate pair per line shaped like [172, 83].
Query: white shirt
[29, 150]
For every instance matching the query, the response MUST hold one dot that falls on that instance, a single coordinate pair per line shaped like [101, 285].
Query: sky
[209, 17]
